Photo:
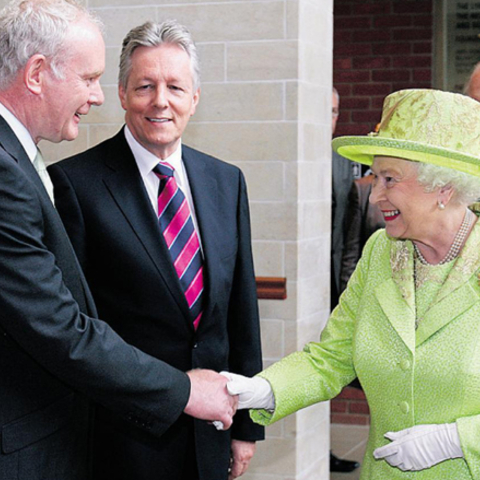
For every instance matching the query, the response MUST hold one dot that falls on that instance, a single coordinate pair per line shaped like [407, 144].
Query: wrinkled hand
[209, 398]
[421, 446]
[242, 453]
[253, 392]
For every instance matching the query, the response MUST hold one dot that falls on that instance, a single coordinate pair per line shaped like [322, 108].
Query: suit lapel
[128, 190]
[459, 292]
[204, 188]
[12, 145]
[396, 295]
[445, 310]
[397, 311]
[10, 142]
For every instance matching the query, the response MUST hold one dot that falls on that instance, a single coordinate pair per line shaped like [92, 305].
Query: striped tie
[182, 241]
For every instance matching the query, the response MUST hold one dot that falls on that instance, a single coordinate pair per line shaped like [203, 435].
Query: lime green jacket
[410, 376]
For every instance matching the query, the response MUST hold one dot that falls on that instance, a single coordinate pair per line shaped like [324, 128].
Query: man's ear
[34, 73]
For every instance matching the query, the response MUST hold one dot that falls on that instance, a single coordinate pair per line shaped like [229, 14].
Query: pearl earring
[441, 205]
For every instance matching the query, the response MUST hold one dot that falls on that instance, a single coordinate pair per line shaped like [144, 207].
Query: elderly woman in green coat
[408, 324]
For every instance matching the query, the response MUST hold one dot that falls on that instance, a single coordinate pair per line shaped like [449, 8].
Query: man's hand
[209, 398]
[242, 453]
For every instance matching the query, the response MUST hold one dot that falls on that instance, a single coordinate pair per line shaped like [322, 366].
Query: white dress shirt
[146, 162]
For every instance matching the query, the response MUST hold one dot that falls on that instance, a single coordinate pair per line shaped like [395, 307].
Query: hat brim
[364, 149]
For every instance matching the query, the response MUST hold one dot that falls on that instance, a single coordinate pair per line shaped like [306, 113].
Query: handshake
[216, 397]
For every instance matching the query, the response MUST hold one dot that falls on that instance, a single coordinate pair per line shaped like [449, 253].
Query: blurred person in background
[472, 86]
[362, 219]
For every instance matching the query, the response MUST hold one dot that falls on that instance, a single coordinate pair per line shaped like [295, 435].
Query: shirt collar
[146, 160]
[22, 134]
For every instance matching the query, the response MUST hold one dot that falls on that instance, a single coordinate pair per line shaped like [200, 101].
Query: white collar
[22, 134]
[146, 160]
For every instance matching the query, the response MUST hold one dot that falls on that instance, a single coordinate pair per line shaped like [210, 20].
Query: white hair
[29, 27]
[466, 187]
[152, 34]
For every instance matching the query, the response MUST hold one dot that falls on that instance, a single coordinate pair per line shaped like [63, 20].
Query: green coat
[410, 376]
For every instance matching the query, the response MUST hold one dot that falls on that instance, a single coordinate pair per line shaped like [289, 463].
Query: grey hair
[152, 34]
[29, 27]
[466, 187]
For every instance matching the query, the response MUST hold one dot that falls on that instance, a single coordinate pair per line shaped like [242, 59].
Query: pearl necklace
[457, 244]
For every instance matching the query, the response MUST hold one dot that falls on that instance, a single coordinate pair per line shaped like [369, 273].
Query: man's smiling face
[159, 98]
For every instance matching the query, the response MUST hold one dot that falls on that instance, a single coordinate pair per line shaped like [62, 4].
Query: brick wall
[350, 407]
[380, 46]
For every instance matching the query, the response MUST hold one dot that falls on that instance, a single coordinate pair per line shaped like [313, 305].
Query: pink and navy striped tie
[182, 241]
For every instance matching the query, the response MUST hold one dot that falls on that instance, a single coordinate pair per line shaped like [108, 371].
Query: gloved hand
[253, 392]
[421, 446]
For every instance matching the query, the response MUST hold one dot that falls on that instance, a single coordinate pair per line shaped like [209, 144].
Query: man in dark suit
[113, 200]
[362, 219]
[342, 179]
[53, 354]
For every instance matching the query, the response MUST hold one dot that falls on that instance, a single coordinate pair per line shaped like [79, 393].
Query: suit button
[404, 407]
[405, 364]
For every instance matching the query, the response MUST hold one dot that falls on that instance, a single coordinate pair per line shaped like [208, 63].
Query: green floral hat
[425, 126]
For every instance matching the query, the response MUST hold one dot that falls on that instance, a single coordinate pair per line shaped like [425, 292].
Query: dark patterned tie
[182, 241]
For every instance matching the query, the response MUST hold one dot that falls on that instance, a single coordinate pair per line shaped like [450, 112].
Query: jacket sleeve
[352, 248]
[469, 433]
[243, 317]
[39, 313]
[322, 369]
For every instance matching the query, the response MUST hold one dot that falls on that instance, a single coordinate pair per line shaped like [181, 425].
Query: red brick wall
[350, 407]
[380, 46]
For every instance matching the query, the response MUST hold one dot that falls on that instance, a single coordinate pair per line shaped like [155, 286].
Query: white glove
[421, 446]
[218, 425]
[253, 392]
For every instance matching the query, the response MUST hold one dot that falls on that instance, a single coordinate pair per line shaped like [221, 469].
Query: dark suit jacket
[362, 220]
[114, 229]
[342, 179]
[52, 355]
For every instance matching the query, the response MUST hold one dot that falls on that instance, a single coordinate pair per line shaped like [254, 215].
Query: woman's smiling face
[407, 208]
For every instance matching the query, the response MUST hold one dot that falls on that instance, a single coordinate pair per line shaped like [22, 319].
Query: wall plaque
[459, 26]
